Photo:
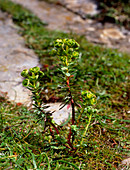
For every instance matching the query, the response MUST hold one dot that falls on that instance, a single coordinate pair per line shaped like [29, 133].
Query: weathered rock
[14, 57]
[56, 16]
[112, 33]
[60, 18]
[83, 7]
[59, 115]
[126, 162]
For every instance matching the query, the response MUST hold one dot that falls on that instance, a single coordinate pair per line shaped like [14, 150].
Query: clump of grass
[23, 145]
[103, 71]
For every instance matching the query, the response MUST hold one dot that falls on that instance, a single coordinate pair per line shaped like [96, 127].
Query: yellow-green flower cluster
[88, 98]
[32, 77]
[66, 50]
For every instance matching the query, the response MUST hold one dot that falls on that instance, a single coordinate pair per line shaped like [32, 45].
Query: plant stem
[52, 133]
[73, 112]
[72, 101]
[57, 131]
[90, 117]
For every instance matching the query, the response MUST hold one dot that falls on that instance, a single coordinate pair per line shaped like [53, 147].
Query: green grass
[115, 11]
[103, 71]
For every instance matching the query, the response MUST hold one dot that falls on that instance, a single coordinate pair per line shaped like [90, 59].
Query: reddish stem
[69, 137]
[72, 101]
[73, 118]
[57, 131]
[73, 113]
[52, 133]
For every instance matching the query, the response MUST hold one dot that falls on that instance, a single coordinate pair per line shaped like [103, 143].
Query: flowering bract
[26, 82]
[24, 73]
[32, 77]
[88, 98]
[66, 50]
[34, 70]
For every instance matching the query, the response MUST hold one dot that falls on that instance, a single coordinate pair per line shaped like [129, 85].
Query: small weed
[66, 50]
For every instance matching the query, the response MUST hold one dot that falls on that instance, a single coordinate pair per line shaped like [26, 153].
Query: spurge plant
[66, 51]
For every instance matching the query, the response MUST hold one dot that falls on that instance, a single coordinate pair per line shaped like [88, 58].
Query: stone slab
[14, 57]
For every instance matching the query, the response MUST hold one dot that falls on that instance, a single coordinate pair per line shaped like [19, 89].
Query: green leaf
[64, 68]
[24, 73]
[26, 82]
[67, 74]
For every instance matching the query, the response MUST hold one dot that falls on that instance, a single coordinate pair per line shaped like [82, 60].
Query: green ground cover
[117, 11]
[103, 71]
